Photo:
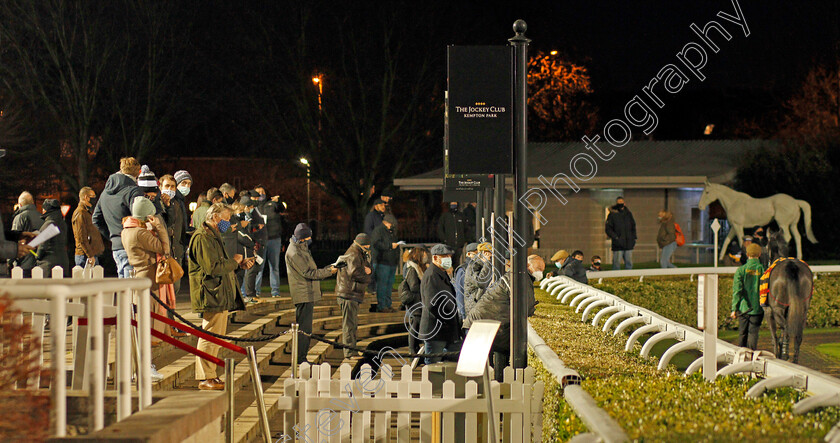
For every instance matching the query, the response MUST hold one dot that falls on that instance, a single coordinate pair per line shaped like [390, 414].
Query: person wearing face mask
[273, 210]
[228, 192]
[213, 288]
[558, 259]
[304, 283]
[175, 216]
[621, 229]
[183, 183]
[351, 282]
[415, 265]
[385, 254]
[478, 276]
[451, 229]
[460, 275]
[53, 252]
[573, 267]
[495, 305]
[596, 263]
[89, 245]
[440, 325]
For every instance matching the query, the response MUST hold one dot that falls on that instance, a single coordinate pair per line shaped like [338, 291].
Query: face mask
[596, 264]
[261, 197]
[558, 264]
[170, 193]
[446, 262]
[184, 190]
[309, 243]
[223, 225]
[619, 206]
[453, 208]
[538, 275]
[92, 202]
[229, 200]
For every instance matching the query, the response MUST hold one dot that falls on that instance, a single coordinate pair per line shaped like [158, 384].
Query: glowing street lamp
[305, 162]
[553, 52]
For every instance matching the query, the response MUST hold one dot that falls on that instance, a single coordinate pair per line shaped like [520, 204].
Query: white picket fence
[89, 295]
[320, 407]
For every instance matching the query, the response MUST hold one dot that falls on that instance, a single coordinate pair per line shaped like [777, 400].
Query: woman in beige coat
[144, 237]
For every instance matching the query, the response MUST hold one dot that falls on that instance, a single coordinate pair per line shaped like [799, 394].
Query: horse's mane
[729, 191]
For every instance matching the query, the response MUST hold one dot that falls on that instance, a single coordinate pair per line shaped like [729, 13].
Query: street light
[305, 162]
[317, 82]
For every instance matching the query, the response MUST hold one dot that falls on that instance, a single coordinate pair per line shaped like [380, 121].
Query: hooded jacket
[53, 252]
[115, 204]
[304, 275]
[621, 228]
[213, 285]
[352, 280]
[27, 219]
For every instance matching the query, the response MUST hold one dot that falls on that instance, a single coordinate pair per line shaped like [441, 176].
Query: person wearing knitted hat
[53, 252]
[304, 285]
[145, 239]
[183, 180]
[350, 285]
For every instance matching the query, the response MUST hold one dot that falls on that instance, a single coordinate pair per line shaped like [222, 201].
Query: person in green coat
[213, 288]
[745, 298]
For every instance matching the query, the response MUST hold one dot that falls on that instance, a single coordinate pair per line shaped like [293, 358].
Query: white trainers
[156, 376]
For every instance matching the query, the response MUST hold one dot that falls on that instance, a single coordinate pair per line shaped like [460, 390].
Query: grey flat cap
[441, 249]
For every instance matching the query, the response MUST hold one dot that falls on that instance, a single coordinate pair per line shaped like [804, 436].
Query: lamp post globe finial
[519, 26]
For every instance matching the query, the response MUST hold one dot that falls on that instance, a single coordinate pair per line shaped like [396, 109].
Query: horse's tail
[806, 209]
[797, 311]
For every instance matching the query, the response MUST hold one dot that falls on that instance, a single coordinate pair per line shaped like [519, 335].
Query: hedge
[654, 405]
[676, 298]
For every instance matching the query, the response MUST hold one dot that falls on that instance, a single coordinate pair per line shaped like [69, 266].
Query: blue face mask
[184, 190]
[223, 225]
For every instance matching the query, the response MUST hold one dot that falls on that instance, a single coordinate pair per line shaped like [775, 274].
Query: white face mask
[168, 192]
[538, 275]
[446, 262]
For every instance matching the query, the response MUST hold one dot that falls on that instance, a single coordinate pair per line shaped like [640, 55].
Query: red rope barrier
[183, 346]
[199, 334]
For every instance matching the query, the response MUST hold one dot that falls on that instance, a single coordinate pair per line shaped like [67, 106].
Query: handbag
[168, 271]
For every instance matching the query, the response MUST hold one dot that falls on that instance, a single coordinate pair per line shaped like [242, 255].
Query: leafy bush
[654, 405]
[676, 298]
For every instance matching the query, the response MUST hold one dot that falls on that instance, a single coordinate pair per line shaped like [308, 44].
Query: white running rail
[659, 272]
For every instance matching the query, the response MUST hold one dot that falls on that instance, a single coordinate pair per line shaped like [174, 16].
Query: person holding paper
[9, 249]
[53, 252]
[27, 218]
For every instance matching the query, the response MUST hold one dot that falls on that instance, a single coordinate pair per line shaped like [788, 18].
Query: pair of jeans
[123, 267]
[748, 326]
[665, 257]
[438, 346]
[272, 252]
[628, 259]
[385, 275]
[81, 260]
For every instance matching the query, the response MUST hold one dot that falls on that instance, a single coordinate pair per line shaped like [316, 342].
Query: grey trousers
[251, 289]
[303, 317]
[349, 323]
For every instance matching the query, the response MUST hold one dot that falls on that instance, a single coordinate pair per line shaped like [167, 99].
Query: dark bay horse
[791, 285]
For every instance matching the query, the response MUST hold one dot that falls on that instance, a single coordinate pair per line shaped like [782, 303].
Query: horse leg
[798, 238]
[771, 322]
[726, 241]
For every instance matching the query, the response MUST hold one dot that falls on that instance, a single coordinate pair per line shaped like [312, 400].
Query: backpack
[680, 236]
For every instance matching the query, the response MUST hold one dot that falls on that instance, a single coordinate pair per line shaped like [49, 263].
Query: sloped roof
[644, 163]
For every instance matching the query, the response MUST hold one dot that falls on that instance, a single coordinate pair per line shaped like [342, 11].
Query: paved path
[808, 354]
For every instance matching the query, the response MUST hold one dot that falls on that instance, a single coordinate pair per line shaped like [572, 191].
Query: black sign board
[480, 109]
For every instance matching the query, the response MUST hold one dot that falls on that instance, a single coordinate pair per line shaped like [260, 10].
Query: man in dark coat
[275, 224]
[375, 216]
[440, 325]
[350, 285]
[114, 204]
[470, 221]
[385, 254]
[621, 229]
[53, 252]
[26, 219]
[451, 229]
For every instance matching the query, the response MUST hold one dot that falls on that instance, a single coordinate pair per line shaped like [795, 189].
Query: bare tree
[558, 99]
[380, 109]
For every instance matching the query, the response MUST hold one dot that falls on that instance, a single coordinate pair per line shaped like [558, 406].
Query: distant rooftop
[639, 164]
